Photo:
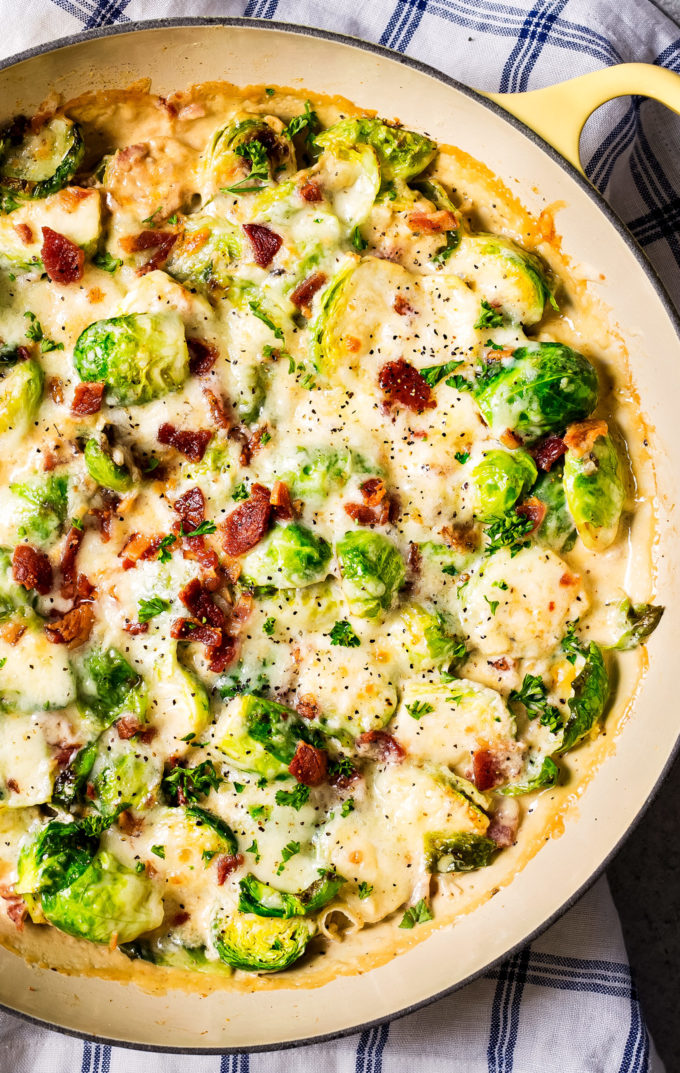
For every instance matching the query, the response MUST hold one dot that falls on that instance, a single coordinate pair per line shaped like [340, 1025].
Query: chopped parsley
[342, 634]
[208, 854]
[165, 555]
[434, 373]
[419, 708]
[265, 438]
[488, 316]
[294, 798]
[148, 609]
[149, 219]
[172, 219]
[256, 154]
[533, 695]
[106, 261]
[240, 492]
[416, 914]
[307, 121]
[140, 867]
[159, 851]
[503, 585]
[269, 625]
[462, 457]
[571, 644]
[189, 784]
[358, 240]
[441, 255]
[204, 529]
[76, 523]
[259, 812]
[254, 849]
[365, 890]
[35, 334]
[257, 311]
[269, 91]
[288, 851]
[347, 807]
[493, 605]
[507, 532]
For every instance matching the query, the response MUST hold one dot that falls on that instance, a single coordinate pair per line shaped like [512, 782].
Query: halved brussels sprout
[70, 784]
[441, 557]
[460, 852]
[315, 472]
[266, 901]
[179, 701]
[290, 556]
[50, 686]
[426, 638]
[106, 900]
[247, 153]
[542, 389]
[203, 818]
[590, 692]
[205, 251]
[37, 162]
[557, 530]
[111, 686]
[323, 348]
[141, 356]
[504, 274]
[57, 854]
[262, 736]
[350, 177]
[371, 570]
[21, 391]
[593, 485]
[125, 775]
[260, 944]
[639, 623]
[540, 773]
[501, 478]
[402, 154]
[103, 469]
[48, 505]
[163, 950]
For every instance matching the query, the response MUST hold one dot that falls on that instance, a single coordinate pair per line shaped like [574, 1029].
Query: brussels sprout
[501, 478]
[440, 557]
[504, 274]
[402, 154]
[543, 388]
[262, 736]
[13, 597]
[590, 693]
[372, 572]
[557, 530]
[35, 673]
[35, 163]
[48, 498]
[124, 776]
[251, 385]
[315, 472]
[323, 349]
[57, 855]
[180, 702]
[248, 153]
[639, 623]
[540, 773]
[203, 818]
[103, 469]
[462, 852]
[141, 356]
[107, 900]
[163, 950]
[112, 686]
[265, 901]
[71, 783]
[205, 252]
[260, 944]
[290, 556]
[593, 485]
[350, 177]
[21, 393]
[426, 639]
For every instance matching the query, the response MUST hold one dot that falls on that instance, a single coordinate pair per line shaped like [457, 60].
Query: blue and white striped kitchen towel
[566, 1003]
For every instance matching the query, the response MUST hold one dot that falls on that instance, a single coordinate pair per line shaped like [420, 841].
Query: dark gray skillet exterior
[674, 317]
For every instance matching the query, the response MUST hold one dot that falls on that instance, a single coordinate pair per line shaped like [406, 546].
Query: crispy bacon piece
[185, 629]
[309, 765]
[251, 445]
[494, 765]
[67, 565]
[534, 509]
[202, 356]
[217, 409]
[361, 514]
[138, 546]
[404, 386]
[281, 502]
[245, 526]
[32, 569]
[25, 233]
[87, 398]
[266, 243]
[307, 707]
[226, 864]
[381, 746]
[504, 823]
[11, 632]
[546, 453]
[180, 918]
[196, 548]
[104, 515]
[374, 491]
[378, 508]
[224, 655]
[135, 628]
[580, 438]
[432, 222]
[73, 628]
[191, 443]
[127, 726]
[311, 191]
[159, 241]
[16, 907]
[199, 602]
[55, 389]
[460, 537]
[510, 439]
[413, 558]
[304, 292]
[63, 260]
[191, 508]
[402, 306]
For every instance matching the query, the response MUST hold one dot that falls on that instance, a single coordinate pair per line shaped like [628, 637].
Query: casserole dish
[181, 53]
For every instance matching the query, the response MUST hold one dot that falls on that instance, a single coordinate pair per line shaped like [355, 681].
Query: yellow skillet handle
[558, 113]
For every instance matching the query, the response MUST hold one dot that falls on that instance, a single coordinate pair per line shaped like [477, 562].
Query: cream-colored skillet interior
[405, 472]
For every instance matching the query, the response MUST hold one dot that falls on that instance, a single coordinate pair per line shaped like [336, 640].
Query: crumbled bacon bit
[510, 439]
[247, 524]
[266, 243]
[432, 222]
[127, 726]
[546, 453]
[159, 241]
[502, 664]
[580, 438]
[104, 514]
[32, 569]
[11, 632]
[200, 603]
[413, 558]
[281, 501]
[24, 232]
[227, 863]
[460, 537]
[504, 823]
[202, 356]
[494, 765]
[191, 508]
[309, 765]
[73, 628]
[567, 579]
[16, 907]
[535, 510]
[196, 548]
[217, 409]
[374, 491]
[192, 443]
[381, 745]
[55, 389]
[180, 918]
[402, 306]
[87, 398]
[135, 628]
[252, 445]
[304, 292]
[185, 629]
[403, 385]
[63, 260]
[138, 546]
[67, 565]
[361, 514]
[221, 657]
[307, 707]
[311, 191]
[13, 785]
